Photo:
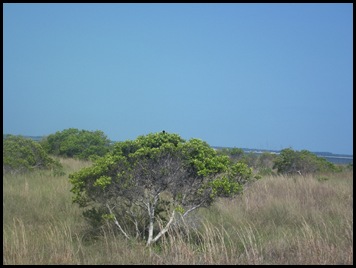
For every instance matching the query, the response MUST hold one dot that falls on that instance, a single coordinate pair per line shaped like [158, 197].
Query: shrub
[22, 155]
[233, 153]
[144, 186]
[82, 144]
[302, 162]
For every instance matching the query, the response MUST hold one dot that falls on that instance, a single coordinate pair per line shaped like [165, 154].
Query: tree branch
[163, 231]
[116, 222]
[193, 208]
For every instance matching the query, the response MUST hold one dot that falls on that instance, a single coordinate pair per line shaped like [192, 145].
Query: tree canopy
[145, 185]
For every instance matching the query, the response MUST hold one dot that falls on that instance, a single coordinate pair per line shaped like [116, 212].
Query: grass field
[278, 220]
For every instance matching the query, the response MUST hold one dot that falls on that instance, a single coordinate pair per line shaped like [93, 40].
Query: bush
[22, 155]
[82, 144]
[234, 153]
[146, 185]
[302, 162]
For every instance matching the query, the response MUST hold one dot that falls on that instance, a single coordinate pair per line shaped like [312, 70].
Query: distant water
[339, 159]
[333, 158]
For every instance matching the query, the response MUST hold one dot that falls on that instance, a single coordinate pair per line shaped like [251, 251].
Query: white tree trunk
[117, 222]
[164, 230]
[151, 214]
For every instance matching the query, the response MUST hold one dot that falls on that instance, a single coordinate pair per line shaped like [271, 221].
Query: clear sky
[265, 76]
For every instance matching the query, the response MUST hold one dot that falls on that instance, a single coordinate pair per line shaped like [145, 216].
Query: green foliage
[266, 159]
[266, 171]
[261, 163]
[103, 181]
[95, 217]
[250, 159]
[180, 209]
[234, 153]
[303, 162]
[224, 187]
[143, 180]
[82, 144]
[22, 155]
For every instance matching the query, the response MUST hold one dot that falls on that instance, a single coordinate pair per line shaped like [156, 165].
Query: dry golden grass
[299, 220]
[278, 220]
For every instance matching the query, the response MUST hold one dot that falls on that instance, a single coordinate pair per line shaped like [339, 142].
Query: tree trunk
[151, 213]
[164, 230]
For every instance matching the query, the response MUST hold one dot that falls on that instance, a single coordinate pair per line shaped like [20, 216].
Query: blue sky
[266, 76]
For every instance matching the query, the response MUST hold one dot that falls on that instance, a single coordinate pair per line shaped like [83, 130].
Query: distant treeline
[333, 158]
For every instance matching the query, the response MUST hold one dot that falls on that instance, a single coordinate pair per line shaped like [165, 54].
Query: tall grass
[277, 220]
[298, 220]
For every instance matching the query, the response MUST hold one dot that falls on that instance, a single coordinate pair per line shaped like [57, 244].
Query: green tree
[301, 162]
[21, 154]
[145, 185]
[81, 144]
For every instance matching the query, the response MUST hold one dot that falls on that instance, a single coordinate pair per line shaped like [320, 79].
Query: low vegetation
[75, 143]
[136, 197]
[146, 185]
[302, 162]
[279, 219]
[21, 155]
